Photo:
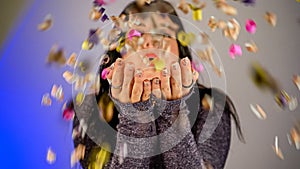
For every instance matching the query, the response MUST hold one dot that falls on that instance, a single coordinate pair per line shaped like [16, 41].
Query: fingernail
[185, 61]
[147, 83]
[112, 66]
[138, 73]
[119, 62]
[165, 72]
[175, 66]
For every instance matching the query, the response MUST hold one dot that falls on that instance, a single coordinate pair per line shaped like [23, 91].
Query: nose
[148, 41]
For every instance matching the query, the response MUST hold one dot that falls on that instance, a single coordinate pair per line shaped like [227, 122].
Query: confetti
[106, 107]
[141, 3]
[79, 98]
[77, 154]
[159, 64]
[293, 103]
[198, 67]
[206, 55]
[282, 99]
[263, 79]
[235, 50]
[68, 114]
[212, 23]
[206, 165]
[183, 6]
[185, 38]
[251, 47]
[296, 80]
[123, 152]
[86, 45]
[224, 7]
[277, 150]
[72, 60]
[197, 11]
[96, 13]
[104, 73]
[46, 100]
[232, 30]
[51, 156]
[69, 77]
[56, 55]
[249, 2]
[205, 38]
[271, 18]
[57, 92]
[46, 24]
[133, 33]
[250, 26]
[294, 135]
[258, 111]
[207, 102]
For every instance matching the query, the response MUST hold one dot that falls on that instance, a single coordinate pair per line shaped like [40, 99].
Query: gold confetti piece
[46, 24]
[212, 23]
[294, 136]
[259, 112]
[224, 7]
[80, 83]
[51, 156]
[251, 46]
[296, 80]
[103, 156]
[86, 45]
[72, 60]
[277, 150]
[207, 102]
[57, 92]
[106, 107]
[206, 55]
[46, 100]
[56, 55]
[205, 38]
[183, 6]
[232, 30]
[206, 165]
[68, 76]
[271, 18]
[77, 154]
[95, 14]
[79, 98]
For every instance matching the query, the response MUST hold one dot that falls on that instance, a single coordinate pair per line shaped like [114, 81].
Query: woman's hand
[127, 84]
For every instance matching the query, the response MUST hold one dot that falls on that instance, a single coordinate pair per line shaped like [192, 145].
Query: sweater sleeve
[212, 131]
[135, 141]
[177, 143]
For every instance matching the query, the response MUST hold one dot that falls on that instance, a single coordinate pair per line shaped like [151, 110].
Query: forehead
[155, 23]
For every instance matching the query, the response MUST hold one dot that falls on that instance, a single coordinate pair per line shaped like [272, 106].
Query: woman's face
[151, 43]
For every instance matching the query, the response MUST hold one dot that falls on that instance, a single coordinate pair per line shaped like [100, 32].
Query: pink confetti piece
[250, 26]
[104, 73]
[198, 67]
[235, 50]
[133, 33]
[68, 114]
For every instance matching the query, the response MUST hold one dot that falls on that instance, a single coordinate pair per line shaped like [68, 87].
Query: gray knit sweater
[171, 134]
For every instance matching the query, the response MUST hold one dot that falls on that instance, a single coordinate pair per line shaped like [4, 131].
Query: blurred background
[28, 129]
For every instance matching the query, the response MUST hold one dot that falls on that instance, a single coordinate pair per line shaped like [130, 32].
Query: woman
[158, 118]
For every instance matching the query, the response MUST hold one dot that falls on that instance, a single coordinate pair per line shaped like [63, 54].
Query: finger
[127, 81]
[165, 84]
[137, 89]
[147, 90]
[176, 81]
[117, 78]
[110, 73]
[186, 75]
[156, 87]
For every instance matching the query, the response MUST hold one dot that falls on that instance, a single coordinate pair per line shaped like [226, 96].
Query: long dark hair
[163, 7]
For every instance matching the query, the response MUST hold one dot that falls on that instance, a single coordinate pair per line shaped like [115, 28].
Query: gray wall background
[278, 53]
